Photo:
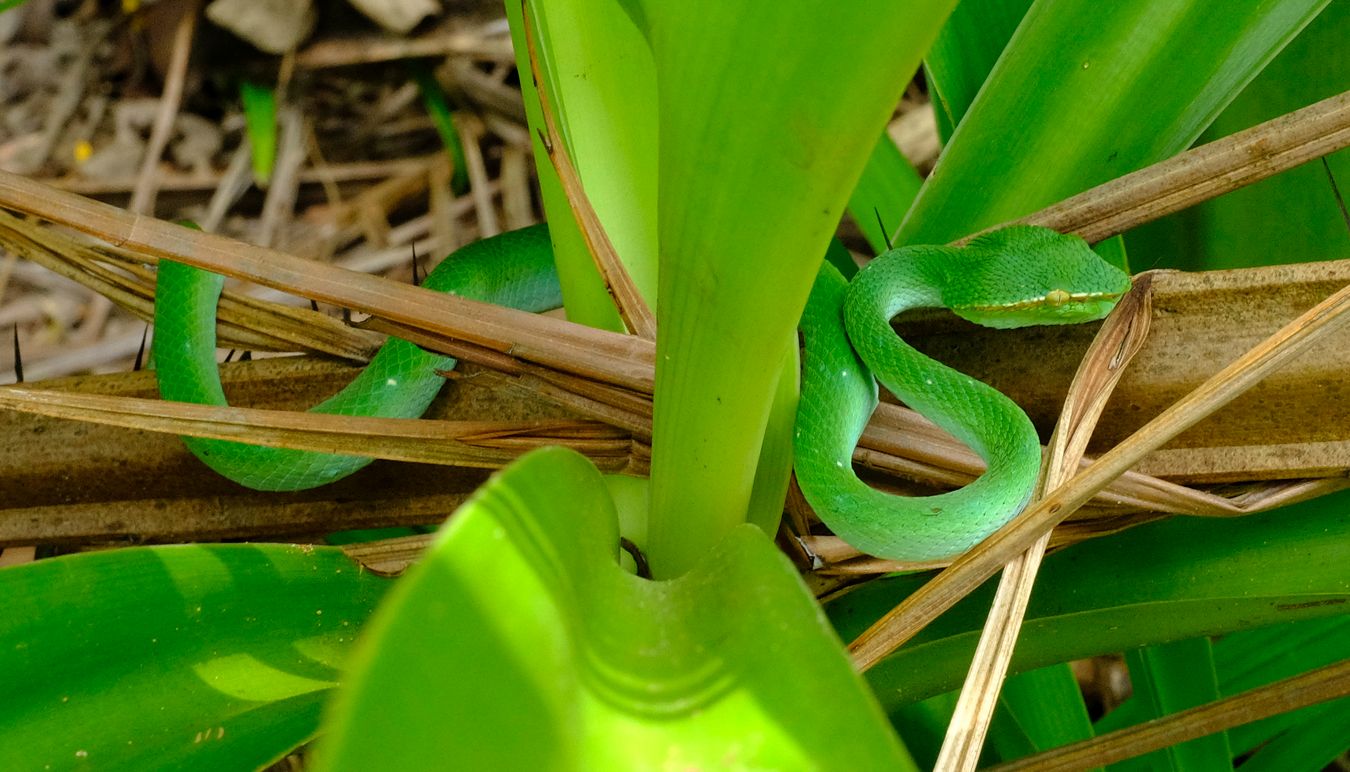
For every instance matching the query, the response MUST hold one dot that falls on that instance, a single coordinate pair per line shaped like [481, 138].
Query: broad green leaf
[1170, 678]
[960, 61]
[599, 80]
[1292, 217]
[1038, 710]
[1094, 90]
[260, 121]
[518, 642]
[1166, 581]
[1247, 661]
[438, 108]
[766, 115]
[188, 657]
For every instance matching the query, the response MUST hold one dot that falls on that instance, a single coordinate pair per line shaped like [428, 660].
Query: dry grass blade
[481, 444]
[244, 322]
[1115, 345]
[622, 359]
[1321, 685]
[633, 309]
[1203, 173]
[970, 570]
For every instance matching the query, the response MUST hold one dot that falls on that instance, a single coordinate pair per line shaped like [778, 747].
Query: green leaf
[1311, 746]
[750, 192]
[1170, 678]
[1166, 581]
[1039, 710]
[1095, 90]
[599, 79]
[518, 642]
[965, 52]
[260, 122]
[1293, 216]
[885, 191]
[192, 657]
[1252, 658]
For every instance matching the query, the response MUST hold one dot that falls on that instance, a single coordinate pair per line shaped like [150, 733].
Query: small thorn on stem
[1336, 191]
[314, 305]
[140, 352]
[229, 356]
[416, 279]
[885, 233]
[18, 357]
[247, 356]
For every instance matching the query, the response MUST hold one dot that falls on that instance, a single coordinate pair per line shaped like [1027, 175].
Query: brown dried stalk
[481, 444]
[476, 331]
[1320, 685]
[1116, 344]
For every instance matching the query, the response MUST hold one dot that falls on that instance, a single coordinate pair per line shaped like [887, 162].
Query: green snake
[1013, 277]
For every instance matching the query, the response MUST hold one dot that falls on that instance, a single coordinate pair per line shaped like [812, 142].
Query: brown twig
[1116, 344]
[1320, 685]
[1203, 173]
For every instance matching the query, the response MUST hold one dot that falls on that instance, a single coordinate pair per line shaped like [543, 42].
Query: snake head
[1026, 275]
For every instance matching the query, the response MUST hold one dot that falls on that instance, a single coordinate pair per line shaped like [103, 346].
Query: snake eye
[1056, 298]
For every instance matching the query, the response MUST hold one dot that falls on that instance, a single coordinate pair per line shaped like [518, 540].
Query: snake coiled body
[1009, 278]
[399, 382]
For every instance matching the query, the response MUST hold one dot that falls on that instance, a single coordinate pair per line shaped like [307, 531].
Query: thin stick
[1203, 173]
[1116, 344]
[1320, 685]
[970, 570]
[617, 359]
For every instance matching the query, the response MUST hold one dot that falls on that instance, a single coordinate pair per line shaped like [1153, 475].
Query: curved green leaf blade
[766, 116]
[1169, 678]
[193, 657]
[1095, 90]
[1166, 581]
[437, 106]
[598, 77]
[1039, 710]
[519, 643]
